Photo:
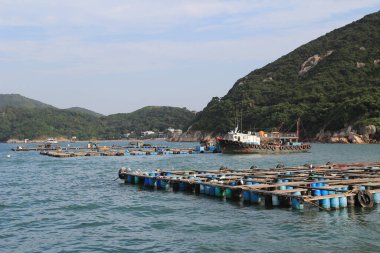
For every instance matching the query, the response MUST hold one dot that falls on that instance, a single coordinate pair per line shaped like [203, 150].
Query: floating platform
[167, 152]
[52, 148]
[66, 154]
[60, 154]
[327, 187]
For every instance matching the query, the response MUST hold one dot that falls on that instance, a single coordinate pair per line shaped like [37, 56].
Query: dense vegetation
[157, 118]
[18, 101]
[337, 92]
[46, 121]
[84, 110]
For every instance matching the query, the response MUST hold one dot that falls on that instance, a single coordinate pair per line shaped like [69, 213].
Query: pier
[327, 187]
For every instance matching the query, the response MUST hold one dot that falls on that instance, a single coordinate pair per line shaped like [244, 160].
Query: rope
[314, 204]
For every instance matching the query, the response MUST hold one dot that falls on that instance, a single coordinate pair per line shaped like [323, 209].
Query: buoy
[8, 156]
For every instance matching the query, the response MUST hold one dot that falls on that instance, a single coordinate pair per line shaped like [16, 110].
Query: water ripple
[73, 205]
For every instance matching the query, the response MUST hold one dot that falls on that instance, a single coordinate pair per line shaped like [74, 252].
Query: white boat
[236, 142]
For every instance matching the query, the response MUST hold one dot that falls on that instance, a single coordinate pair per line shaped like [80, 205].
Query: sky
[114, 56]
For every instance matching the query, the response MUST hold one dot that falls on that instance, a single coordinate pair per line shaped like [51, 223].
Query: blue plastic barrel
[202, 189]
[297, 203]
[207, 189]
[232, 183]
[182, 186]
[334, 202]
[146, 181]
[255, 198]
[129, 179]
[343, 203]
[212, 191]
[325, 202]
[288, 187]
[313, 191]
[281, 187]
[163, 184]
[275, 200]
[219, 192]
[247, 196]
[376, 198]
[317, 192]
[228, 193]
[136, 179]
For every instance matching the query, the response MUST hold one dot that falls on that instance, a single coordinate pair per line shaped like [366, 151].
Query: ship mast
[298, 129]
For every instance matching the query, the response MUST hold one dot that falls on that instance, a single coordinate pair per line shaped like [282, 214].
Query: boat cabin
[248, 138]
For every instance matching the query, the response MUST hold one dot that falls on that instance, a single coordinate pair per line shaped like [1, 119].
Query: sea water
[76, 205]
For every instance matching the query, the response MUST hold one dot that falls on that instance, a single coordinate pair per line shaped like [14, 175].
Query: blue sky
[118, 56]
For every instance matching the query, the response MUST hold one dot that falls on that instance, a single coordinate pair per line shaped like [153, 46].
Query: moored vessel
[237, 142]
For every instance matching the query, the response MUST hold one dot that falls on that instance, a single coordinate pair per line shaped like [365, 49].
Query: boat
[237, 142]
[51, 141]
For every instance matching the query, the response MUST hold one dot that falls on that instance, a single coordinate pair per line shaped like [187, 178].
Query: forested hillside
[20, 119]
[330, 83]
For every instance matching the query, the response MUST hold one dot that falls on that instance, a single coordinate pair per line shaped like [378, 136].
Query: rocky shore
[364, 135]
[349, 135]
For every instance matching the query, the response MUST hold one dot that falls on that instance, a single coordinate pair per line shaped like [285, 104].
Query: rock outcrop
[348, 135]
[312, 62]
[192, 136]
[360, 65]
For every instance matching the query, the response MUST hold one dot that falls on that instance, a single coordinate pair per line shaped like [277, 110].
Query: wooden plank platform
[325, 187]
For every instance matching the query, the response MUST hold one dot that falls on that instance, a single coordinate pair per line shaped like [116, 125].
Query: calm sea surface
[74, 205]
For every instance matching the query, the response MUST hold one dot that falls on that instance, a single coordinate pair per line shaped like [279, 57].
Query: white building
[146, 133]
[174, 131]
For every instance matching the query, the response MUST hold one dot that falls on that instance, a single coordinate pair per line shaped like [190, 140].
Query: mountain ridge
[331, 82]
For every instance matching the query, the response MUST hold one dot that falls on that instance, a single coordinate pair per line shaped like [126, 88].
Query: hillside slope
[18, 101]
[20, 119]
[150, 118]
[84, 110]
[330, 82]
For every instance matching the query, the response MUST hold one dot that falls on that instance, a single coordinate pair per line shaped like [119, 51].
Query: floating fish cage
[327, 187]
[167, 152]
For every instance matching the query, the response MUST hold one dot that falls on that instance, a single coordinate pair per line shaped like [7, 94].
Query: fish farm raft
[327, 187]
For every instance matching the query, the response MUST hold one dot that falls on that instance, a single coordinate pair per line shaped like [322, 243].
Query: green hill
[18, 101]
[157, 118]
[84, 110]
[20, 123]
[330, 82]
[22, 119]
